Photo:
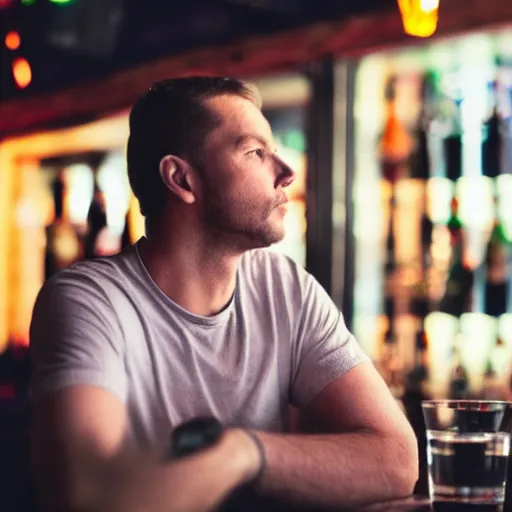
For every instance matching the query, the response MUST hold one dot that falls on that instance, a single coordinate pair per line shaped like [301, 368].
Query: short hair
[172, 118]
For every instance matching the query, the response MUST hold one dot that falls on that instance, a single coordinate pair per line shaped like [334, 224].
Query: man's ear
[178, 176]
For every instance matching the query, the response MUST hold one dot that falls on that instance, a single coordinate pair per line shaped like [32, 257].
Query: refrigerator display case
[432, 215]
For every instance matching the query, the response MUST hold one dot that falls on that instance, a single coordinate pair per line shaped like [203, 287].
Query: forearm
[133, 482]
[338, 470]
[197, 483]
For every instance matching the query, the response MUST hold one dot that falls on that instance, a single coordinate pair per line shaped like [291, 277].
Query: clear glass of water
[468, 444]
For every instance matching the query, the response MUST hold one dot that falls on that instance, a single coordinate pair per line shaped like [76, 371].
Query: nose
[285, 175]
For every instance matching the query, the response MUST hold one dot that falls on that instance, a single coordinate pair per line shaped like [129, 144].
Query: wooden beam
[256, 56]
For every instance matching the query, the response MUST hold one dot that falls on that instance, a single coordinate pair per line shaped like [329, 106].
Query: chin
[262, 239]
[273, 236]
[256, 236]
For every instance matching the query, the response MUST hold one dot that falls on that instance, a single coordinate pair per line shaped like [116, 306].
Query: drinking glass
[468, 444]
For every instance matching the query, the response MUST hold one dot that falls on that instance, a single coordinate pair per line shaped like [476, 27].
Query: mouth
[282, 207]
[282, 203]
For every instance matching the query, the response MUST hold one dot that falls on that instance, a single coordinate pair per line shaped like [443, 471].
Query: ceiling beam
[255, 56]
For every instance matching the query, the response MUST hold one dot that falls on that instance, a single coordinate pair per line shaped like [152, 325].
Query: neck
[190, 271]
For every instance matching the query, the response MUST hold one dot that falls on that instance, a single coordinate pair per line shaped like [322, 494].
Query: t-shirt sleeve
[325, 349]
[75, 337]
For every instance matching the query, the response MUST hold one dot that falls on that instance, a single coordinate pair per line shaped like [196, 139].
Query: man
[196, 320]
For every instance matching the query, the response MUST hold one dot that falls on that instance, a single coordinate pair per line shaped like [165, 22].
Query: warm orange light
[419, 17]
[21, 251]
[22, 72]
[12, 40]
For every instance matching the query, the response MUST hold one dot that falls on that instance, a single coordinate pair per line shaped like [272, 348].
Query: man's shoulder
[93, 292]
[84, 277]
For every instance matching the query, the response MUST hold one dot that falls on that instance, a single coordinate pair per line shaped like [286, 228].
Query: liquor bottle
[51, 261]
[96, 221]
[453, 149]
[386, 356]
[492, 138]
[389, 264]
[459, 382]
[419, 162]
[457, 297]
[418, 376]
[396, 143]
[58, 190]
[63, 246]
[426, 230]
[497, 276]
[453, 144]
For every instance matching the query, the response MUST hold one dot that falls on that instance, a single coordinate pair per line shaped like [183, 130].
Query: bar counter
[258, 504]
[413, 504]
[422, 504]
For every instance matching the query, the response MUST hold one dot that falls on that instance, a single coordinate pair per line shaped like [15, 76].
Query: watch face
[195, 435]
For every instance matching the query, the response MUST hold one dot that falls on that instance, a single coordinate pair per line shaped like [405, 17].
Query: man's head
[201, 145]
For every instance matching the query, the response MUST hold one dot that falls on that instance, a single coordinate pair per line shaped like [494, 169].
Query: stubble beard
[239, 224]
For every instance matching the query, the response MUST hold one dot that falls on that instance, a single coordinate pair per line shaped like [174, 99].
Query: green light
[61, 2]
[28, 2]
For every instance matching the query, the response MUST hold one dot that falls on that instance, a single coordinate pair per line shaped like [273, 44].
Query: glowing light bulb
[419, 17]
[429, 5]
[12, 40]
[22, 72]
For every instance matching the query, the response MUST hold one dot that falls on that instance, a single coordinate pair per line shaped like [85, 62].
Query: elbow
[404, 481]
[404, 465]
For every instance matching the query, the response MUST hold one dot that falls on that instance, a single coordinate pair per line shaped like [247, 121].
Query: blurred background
[397, 118]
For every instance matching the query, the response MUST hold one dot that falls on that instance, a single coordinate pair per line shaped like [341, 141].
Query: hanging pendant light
[419, 17]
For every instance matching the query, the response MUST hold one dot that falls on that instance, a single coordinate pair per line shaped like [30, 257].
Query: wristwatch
[200, 433]
[194, 436]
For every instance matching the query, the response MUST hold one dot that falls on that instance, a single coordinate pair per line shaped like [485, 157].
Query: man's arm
[80, 453]
[81, 465]
[366, 451]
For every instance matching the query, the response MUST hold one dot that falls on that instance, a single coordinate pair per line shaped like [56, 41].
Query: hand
[238, 443]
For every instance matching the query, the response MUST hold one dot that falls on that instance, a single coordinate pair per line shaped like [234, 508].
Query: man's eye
[260, 153]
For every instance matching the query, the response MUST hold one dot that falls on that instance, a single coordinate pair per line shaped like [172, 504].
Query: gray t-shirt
[105, 323]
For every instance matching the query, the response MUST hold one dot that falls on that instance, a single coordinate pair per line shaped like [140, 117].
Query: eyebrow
[244, 140]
